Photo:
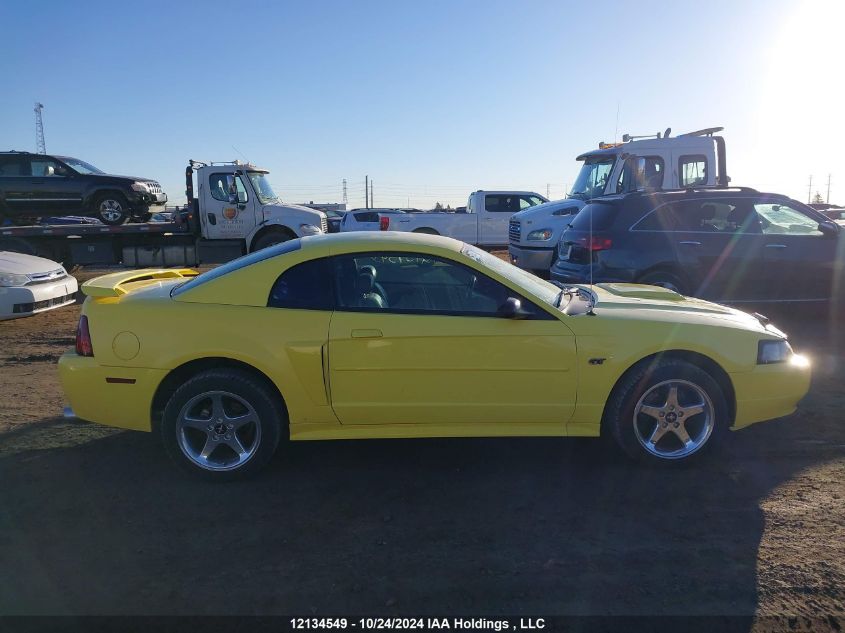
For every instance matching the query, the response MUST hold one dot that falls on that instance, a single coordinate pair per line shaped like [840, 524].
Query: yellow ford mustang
[366, 335]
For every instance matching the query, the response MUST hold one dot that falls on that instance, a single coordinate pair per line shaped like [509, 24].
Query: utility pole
[344, 191]
[40, 146]
[366, 192]
[372, 204]
[827, 200]
[810, 191]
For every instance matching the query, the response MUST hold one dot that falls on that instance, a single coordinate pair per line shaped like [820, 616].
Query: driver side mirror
[829, 228]
[512, 309]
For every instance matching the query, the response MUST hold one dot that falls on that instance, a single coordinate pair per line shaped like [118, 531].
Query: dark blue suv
[729, 245]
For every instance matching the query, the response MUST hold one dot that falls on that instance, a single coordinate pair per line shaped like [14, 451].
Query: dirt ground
[98, 521]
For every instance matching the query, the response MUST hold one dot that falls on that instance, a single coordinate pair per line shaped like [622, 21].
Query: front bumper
[126, 405]
[22, 301]
[531, 258]
[147, 199]
[769, 391]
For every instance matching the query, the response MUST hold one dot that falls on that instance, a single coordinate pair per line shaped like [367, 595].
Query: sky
[430, 99]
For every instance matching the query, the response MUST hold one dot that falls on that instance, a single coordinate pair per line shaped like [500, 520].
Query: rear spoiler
[112, 285]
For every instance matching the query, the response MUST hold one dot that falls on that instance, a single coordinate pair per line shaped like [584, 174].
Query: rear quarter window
[599, 216]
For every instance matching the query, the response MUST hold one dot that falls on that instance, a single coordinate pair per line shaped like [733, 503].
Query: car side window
[641, 172]
[305, 286]
[221, 184]
[412, 283]
[46, 168]
[526, 202]
[13, 166]
[692, 170]
[499, 203]
[782, 219]
[702, 216]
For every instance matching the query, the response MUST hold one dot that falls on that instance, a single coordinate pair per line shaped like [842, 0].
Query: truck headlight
[140, 187]
[769, 352]
[10, 280]
[310, 229]
[540, 235]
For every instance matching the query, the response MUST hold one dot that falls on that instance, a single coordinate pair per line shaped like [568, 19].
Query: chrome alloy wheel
[110, 210]
[218, 430]
[673, 419]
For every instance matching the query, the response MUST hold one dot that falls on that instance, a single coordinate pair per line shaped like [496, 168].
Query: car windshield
[82, 167]
[262, 187]
[592, 178]
[531, 284]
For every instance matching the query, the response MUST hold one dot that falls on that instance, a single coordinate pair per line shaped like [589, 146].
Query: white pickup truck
[484, 223]
[695, 159]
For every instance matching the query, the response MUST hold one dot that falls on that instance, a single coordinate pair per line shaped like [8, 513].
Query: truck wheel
[667, 412]
[111, 208]
[271, 238]
[426, 231]
[222, 424]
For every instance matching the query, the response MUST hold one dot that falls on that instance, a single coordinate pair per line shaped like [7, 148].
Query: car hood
[313, 216]
[133, 178]
[543, 211]
[655, 303]
[21, 264]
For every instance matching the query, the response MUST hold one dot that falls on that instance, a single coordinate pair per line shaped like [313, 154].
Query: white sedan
[29, 285]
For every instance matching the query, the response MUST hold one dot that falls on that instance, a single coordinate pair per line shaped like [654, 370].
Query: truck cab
[235, 201]
[658, 162]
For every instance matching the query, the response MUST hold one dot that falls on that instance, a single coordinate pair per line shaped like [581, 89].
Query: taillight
[595, 243]
[83, 338]
[384, 223]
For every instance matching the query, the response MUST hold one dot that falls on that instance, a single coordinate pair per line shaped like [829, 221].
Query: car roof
[379, 241]
[666, 195]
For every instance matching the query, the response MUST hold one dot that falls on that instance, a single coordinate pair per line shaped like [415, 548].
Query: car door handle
[366, 333]
[775, 245]
[691, 243]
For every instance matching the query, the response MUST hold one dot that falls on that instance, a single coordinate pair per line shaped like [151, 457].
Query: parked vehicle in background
[695, 159]
[727, 245]
[365, 219]
[35, 185]
[29, 285]
[418, 336]
[533, 234]
[234, 211]
[333, 219]
[485, 222]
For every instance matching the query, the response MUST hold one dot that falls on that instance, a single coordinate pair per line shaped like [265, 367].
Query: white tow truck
[231, 210]
[485, 222]
[659, 161]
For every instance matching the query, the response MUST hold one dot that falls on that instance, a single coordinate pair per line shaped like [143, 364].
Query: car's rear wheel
[665, 279]
[111, 209]
[222, 424]
[667, 412]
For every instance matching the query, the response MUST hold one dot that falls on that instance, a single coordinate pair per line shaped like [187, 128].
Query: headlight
[310, 229]
[140, 187]
[540, 235]
[9, 280]
[769, 352]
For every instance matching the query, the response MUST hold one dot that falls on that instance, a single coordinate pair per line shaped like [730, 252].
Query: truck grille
[324, 224]
[154, 187]
[514, 231]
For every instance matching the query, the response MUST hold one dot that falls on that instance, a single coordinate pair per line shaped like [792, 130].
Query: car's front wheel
[668, 411]
[222, 424]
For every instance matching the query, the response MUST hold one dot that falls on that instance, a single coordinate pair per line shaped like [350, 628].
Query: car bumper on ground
[114, 396]
[21, 301]
[770, 391]
[531, 258]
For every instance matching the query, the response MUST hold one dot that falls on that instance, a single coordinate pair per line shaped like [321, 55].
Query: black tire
[111, 208]
[426, 231]
[666, 279]
[647, 379]
[185, 443]
[271, 238]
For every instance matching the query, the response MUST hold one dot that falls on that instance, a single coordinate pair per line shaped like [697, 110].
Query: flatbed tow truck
[231, 210]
